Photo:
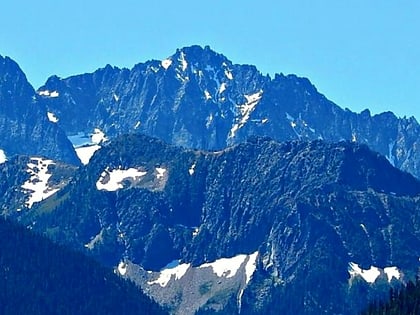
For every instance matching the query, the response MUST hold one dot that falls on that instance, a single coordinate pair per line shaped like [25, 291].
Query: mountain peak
[12, 79]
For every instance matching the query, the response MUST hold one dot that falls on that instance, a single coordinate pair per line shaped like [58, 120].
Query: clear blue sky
[360, 54]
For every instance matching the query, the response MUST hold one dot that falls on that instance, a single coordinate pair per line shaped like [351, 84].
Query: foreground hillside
[401, 302]
[38, 277]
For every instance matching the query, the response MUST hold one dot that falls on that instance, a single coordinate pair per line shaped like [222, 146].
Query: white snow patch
[207, 95]
[353, 137]
[293, 124]
[245, 111]
[52, 117]
[192, 169]
[228, 75]
[98, 136]
[85, 153]
[37, 185]
[166, 274]
[122, 268]
[391, 157]
[112, 180]
[195, 232]
[137, 125]
[222, 88]
[392, 272]
[166, 63]
[183, 61]
[209, 120]
[3, 157]
[160, 171]
[263, 121]
[250, 266]
[369, 275]
[226, 267]
[48, 93]
[116, 97]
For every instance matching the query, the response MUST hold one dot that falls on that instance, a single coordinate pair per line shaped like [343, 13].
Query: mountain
[39, 277]
[25, 124]
[199, 99]
[326, 227]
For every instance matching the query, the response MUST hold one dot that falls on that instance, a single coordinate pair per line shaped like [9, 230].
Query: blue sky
[360, 54]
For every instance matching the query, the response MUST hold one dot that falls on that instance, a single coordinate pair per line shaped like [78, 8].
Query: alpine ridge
[25, 127]
[198, 98]
[215, 188]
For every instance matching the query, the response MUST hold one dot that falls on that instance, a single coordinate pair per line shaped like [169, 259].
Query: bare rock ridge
[198, 98]
[24, 124]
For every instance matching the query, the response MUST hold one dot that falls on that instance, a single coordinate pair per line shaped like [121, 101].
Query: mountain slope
[39, 277]
[318, 216]
[25, 127]
[198, 98]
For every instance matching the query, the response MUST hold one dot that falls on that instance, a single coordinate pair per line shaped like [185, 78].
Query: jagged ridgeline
[39, 277]
[198, 98]
[25, 127]
[231, 221]
[262, 227]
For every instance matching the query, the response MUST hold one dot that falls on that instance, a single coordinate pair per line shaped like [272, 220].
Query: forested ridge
[401, 302]
[40, 277]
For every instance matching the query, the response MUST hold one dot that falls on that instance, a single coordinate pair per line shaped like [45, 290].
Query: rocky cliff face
[25, 127]
[328, 224]
[199, 99]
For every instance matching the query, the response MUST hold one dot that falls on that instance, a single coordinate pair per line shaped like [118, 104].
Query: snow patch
[183, 61]
[98, 136]
[369, 275]
[263, 121]
[192, 169]
[37, 185]
[245, 110]
[137, 125]
[228, 75]
[166, 274]
[226, 267]
[85, 153]
[112, 180]
[250, 266]
[209, 120]
[160, 171]
[222, 88]
[122, 268]
[116, 97]
[52, 117]
[392, 272]
[47, 93]
[86, 145]
[195, 232]
[3, 157]
[390, 156]
[207, 95]
[166, 63]
[353, 137]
